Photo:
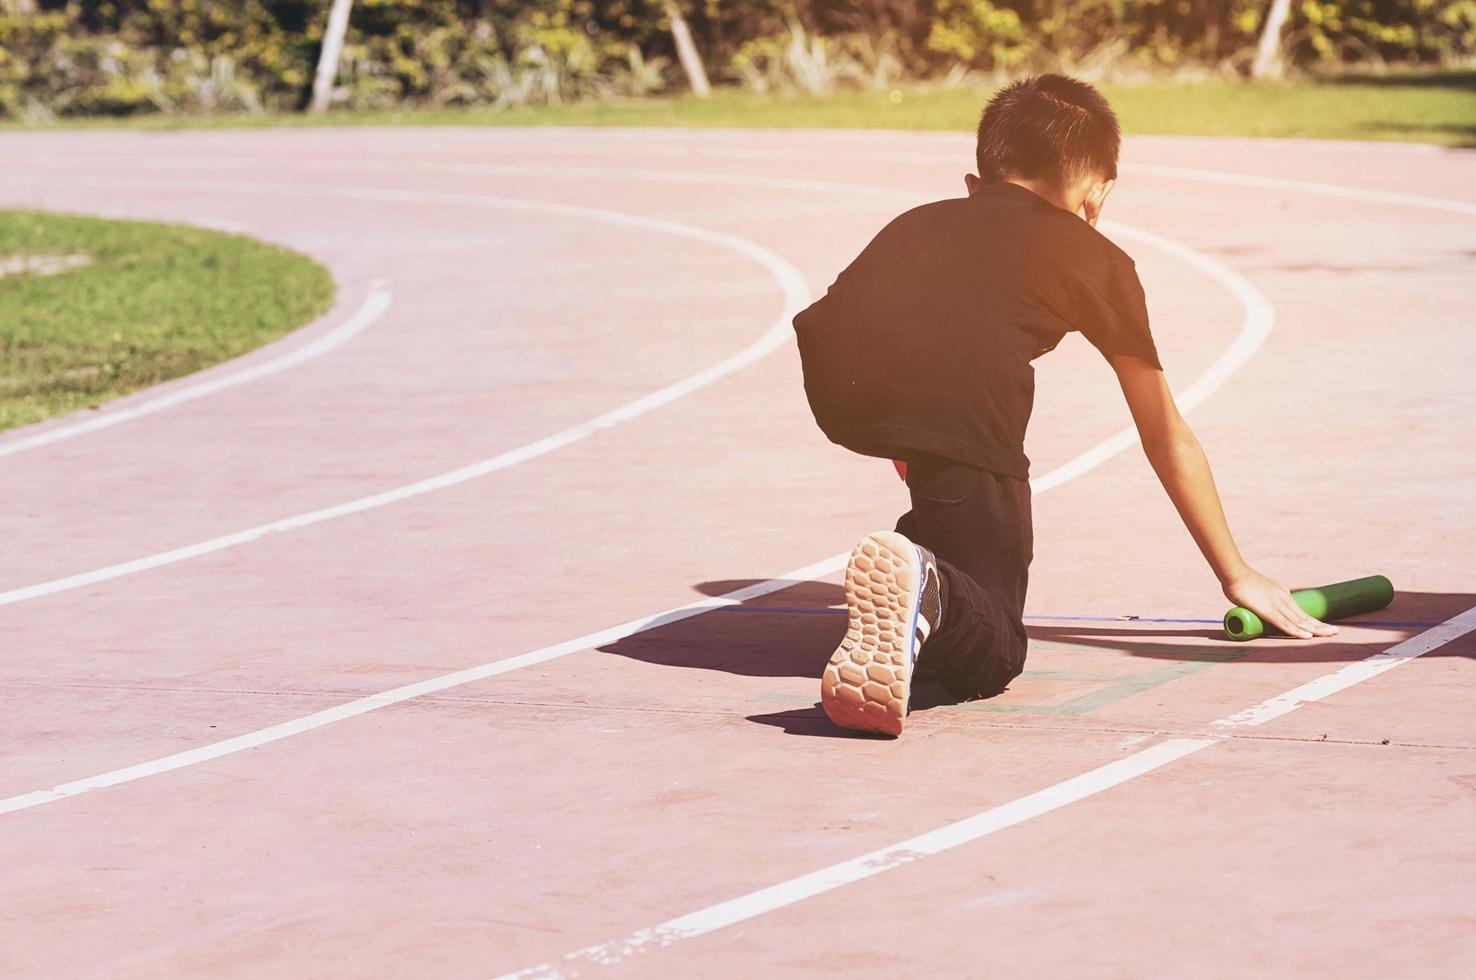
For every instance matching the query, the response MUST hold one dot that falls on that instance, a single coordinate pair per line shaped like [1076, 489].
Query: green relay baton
[1361, 595]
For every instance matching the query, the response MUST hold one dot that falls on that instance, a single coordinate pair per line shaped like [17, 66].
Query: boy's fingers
[1319, 628]
[1277, 607]
[1290, 623]
[1302, 623]
[1303, 626]
[1311, 624]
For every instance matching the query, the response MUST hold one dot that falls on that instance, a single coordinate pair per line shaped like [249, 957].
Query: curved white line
[1320, 188]
[1260, 317]
[953, 835]
[356, 165]
[796, 293]
[1302, 187]
[1256, 325]
[371, 309]
[373, 702]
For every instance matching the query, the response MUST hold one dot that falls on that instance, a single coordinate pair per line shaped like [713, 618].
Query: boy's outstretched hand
[1273, 603]
[1180, 463]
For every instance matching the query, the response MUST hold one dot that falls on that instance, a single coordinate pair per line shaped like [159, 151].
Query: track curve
[506, 329]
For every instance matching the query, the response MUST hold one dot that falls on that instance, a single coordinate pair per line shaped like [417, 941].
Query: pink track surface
[509, 821]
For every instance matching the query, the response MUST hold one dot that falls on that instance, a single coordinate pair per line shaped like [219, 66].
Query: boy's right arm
[1182, 468]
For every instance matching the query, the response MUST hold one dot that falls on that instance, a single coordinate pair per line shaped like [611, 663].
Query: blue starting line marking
[831, 611]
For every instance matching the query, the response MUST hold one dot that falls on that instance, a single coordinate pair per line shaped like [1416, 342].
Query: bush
[119, 57]
[129, 56]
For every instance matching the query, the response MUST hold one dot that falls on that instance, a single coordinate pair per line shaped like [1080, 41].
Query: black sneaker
[895, 603]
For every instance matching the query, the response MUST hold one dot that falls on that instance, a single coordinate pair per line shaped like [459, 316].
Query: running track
[556, 397]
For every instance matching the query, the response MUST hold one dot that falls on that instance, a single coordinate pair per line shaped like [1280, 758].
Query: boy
[920, 352]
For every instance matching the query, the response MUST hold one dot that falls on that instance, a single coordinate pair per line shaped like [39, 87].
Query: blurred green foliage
[121, 57]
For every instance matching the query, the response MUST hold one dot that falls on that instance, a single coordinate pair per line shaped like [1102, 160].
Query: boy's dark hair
[1047, 127]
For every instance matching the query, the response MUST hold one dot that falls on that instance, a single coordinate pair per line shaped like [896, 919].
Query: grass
[155, 302]
[1430, 107]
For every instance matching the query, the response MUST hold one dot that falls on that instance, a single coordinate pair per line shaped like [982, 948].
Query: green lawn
[1431, 108]
[152, 303]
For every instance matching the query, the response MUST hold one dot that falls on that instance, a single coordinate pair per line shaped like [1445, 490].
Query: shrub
[118, 57]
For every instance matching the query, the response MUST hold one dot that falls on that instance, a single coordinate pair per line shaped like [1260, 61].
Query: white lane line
[1256, 324]
[1256, 327]
[373, 702]
[1260, 317]
[1106, 776]
[1319, 188]
[796, 294]
[374, 306]
[785, 893]
[1354, 673]
[868, 865]
[1303, 143]
[1303, 187]
[653, 175]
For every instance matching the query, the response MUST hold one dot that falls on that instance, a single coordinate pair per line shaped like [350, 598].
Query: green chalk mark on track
[1117, 687]
[1087, 703]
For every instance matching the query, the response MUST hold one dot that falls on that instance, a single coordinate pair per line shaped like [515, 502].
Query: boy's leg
[978, 524]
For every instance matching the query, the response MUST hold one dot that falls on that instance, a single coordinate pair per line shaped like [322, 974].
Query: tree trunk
[687, 50]
[1269, 63]
[338, 18]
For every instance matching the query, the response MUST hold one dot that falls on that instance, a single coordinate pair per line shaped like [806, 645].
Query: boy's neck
[1043, 189]
[1082, 197]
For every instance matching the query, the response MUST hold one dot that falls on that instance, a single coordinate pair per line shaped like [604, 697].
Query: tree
[338, 18]
[687, 54]
[1269, 63]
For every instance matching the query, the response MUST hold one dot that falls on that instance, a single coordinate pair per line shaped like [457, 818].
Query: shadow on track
[789, 633]
[792, 632]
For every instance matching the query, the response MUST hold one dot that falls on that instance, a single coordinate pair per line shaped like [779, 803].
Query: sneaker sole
[866, 684]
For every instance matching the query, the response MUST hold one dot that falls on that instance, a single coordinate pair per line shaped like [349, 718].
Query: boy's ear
[973, 183]
[1091, 207]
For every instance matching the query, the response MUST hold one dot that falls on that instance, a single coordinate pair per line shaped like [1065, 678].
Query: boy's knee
[992, 680]
[1001, 681]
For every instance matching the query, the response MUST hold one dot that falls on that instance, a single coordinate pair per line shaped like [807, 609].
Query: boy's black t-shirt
[924, 342]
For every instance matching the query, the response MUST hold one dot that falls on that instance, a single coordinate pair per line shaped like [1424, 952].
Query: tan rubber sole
[865, 685]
